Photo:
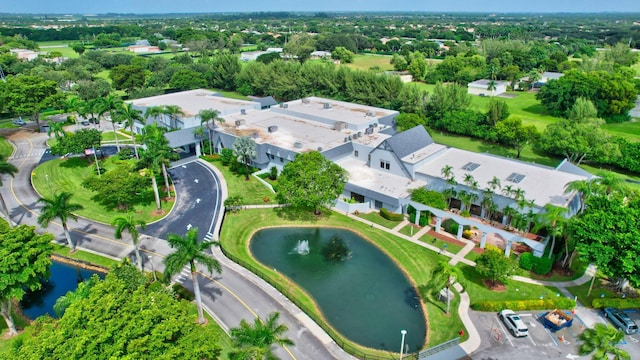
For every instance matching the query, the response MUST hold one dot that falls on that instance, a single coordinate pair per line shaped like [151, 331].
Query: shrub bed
[601, 303]
[391, 215]
[539, 265]
[519, 305]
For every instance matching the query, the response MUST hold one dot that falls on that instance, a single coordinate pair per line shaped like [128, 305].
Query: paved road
[233, 295]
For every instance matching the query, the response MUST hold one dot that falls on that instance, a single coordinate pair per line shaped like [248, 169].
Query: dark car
[621, 320]
[85, 122]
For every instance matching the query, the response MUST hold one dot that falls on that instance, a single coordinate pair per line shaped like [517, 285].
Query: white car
[513, 323]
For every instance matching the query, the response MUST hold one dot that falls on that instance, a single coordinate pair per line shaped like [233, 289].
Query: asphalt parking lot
[498, 344]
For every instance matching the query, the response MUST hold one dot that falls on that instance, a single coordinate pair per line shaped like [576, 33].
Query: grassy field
[600, 289]
[368, 61]
[452, 248]
[5, 148]
[253, 192]
[628, 130]
[64, 47]
[68, 174]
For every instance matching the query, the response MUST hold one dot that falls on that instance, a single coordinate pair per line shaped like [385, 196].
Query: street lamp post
[403, 332]
[152, 269]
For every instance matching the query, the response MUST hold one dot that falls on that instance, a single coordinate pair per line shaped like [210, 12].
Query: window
[272, 156]
[281, 159]
[384, 164]
[355, 153]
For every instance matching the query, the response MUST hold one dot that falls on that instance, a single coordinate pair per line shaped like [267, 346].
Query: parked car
[513, 323]
[621, 320]
[85, 122]
[19, 122]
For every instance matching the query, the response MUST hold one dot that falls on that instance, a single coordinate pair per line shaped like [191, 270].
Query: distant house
[24, 54]
[481, 87]
[404, 76]
[318, 54]
[253, 55]
[138, 49]
[143, 42]
[549, 75]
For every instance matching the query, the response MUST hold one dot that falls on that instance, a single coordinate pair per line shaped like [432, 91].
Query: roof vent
[243, 112]
[370, 113]
[240, 122]
[326, 106]
[305, 100]
[359, 134]
[272, 128]
[254, 135]
[297, 145]
[339, 125]
[368, 131]
[355, 136]
[320, 148]
[284, 105]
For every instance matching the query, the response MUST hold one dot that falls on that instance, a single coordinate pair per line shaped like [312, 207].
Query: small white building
[481, 87]
[319, 54]
[24, 54]
[549, 75]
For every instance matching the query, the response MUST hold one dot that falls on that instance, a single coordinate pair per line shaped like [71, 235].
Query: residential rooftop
[192, 101]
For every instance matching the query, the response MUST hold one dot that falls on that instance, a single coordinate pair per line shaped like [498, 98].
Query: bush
[467, 234]
[391, 215]
[526, 261]
[451, 227]
[273, 173]
[519, 305]
[542, 265]
[126, 153]
[182, 292]
[226, 157]
[601, 303]
[429, 197]
[425, 216]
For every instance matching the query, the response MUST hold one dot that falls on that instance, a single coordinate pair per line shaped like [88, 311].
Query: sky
[208, 6]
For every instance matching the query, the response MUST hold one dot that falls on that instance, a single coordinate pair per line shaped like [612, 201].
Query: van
[513, 323]
[621, 321]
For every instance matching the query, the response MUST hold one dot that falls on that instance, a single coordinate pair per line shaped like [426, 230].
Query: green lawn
[62, 46]
[378, 219]
[452, 248]
[480, 146]
[253, 192]
[599, 290]
[84, 256]
[68, 174]
[367, 61]
[5, 148]
[628, 130]
[409, 230]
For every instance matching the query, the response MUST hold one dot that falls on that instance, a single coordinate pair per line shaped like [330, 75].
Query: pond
[64, 277]
[365, 297]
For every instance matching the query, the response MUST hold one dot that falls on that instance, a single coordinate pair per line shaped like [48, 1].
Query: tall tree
[189, 250]
[130, 224]
[445, 275]
[494, 266]
[553, 219]
[255, 342]
[28, 95]
[602, 341]
[25, 262]
[207, 116]
[159, 152]
[57, 129]
[513, 134]
[245, 149]
[110, 104]
[6, 168]
[130, 115]
[173, 111]
[310, 180]
[60, 207]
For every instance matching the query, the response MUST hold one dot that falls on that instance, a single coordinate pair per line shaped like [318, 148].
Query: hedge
[519, 305]
[539, 265]
[526, 261]
[391, 215]
[600, 303]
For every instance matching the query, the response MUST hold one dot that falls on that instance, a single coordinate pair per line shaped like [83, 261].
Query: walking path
[473, 342]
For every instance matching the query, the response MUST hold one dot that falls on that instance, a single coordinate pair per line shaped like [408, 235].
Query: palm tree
[130, 115]
[189, 250]
[207, 115]
[110, 104]
[609, 184]
[467, 198]
[508, 190]
[10, 169]
[173, 111]
[62, 208]
[447, 171]
[159, 150]
[130, 224]
[487, 202]
[554, 220]
[602, 341]
[469, 180]
[445, 275]
[255, 341]
[154, 112]
[510, 213]
[518, 194]
[73, 104]
[494, 184]
[583, 187]
[491, 86]
[198, 132]
[245, 149]
[449, 193]
[57, 128]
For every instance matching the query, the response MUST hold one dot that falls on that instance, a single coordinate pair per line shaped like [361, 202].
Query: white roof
[192, 101]
[351, 113]
[379, 181]
[544, 185]
[484, 83]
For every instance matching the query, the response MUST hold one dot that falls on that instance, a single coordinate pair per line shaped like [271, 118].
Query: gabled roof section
[568, 167]
[410, 141]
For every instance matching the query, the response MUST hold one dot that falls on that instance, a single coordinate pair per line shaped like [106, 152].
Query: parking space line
[553, 338]
[507, 336]
[531, 338]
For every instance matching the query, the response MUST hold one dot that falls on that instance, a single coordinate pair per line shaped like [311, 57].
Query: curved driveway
[231, 296]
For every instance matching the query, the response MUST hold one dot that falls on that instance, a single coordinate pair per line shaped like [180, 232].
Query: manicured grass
[452, 248]
[577, 266]
[108, 136]
[479, 146]
[253, 192]
[84, 256]
[5, 148]
[628, 130]
[367, 61]
[68, 174]
[623, 176]
[515, 290]
[599, 290]
[223, 339]
[472, 255]
[376, 218]
[409, 230]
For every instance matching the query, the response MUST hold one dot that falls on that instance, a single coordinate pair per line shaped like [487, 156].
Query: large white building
[383, 165]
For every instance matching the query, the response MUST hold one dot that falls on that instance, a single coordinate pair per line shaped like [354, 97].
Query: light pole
[152, 269]
[403, 332]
